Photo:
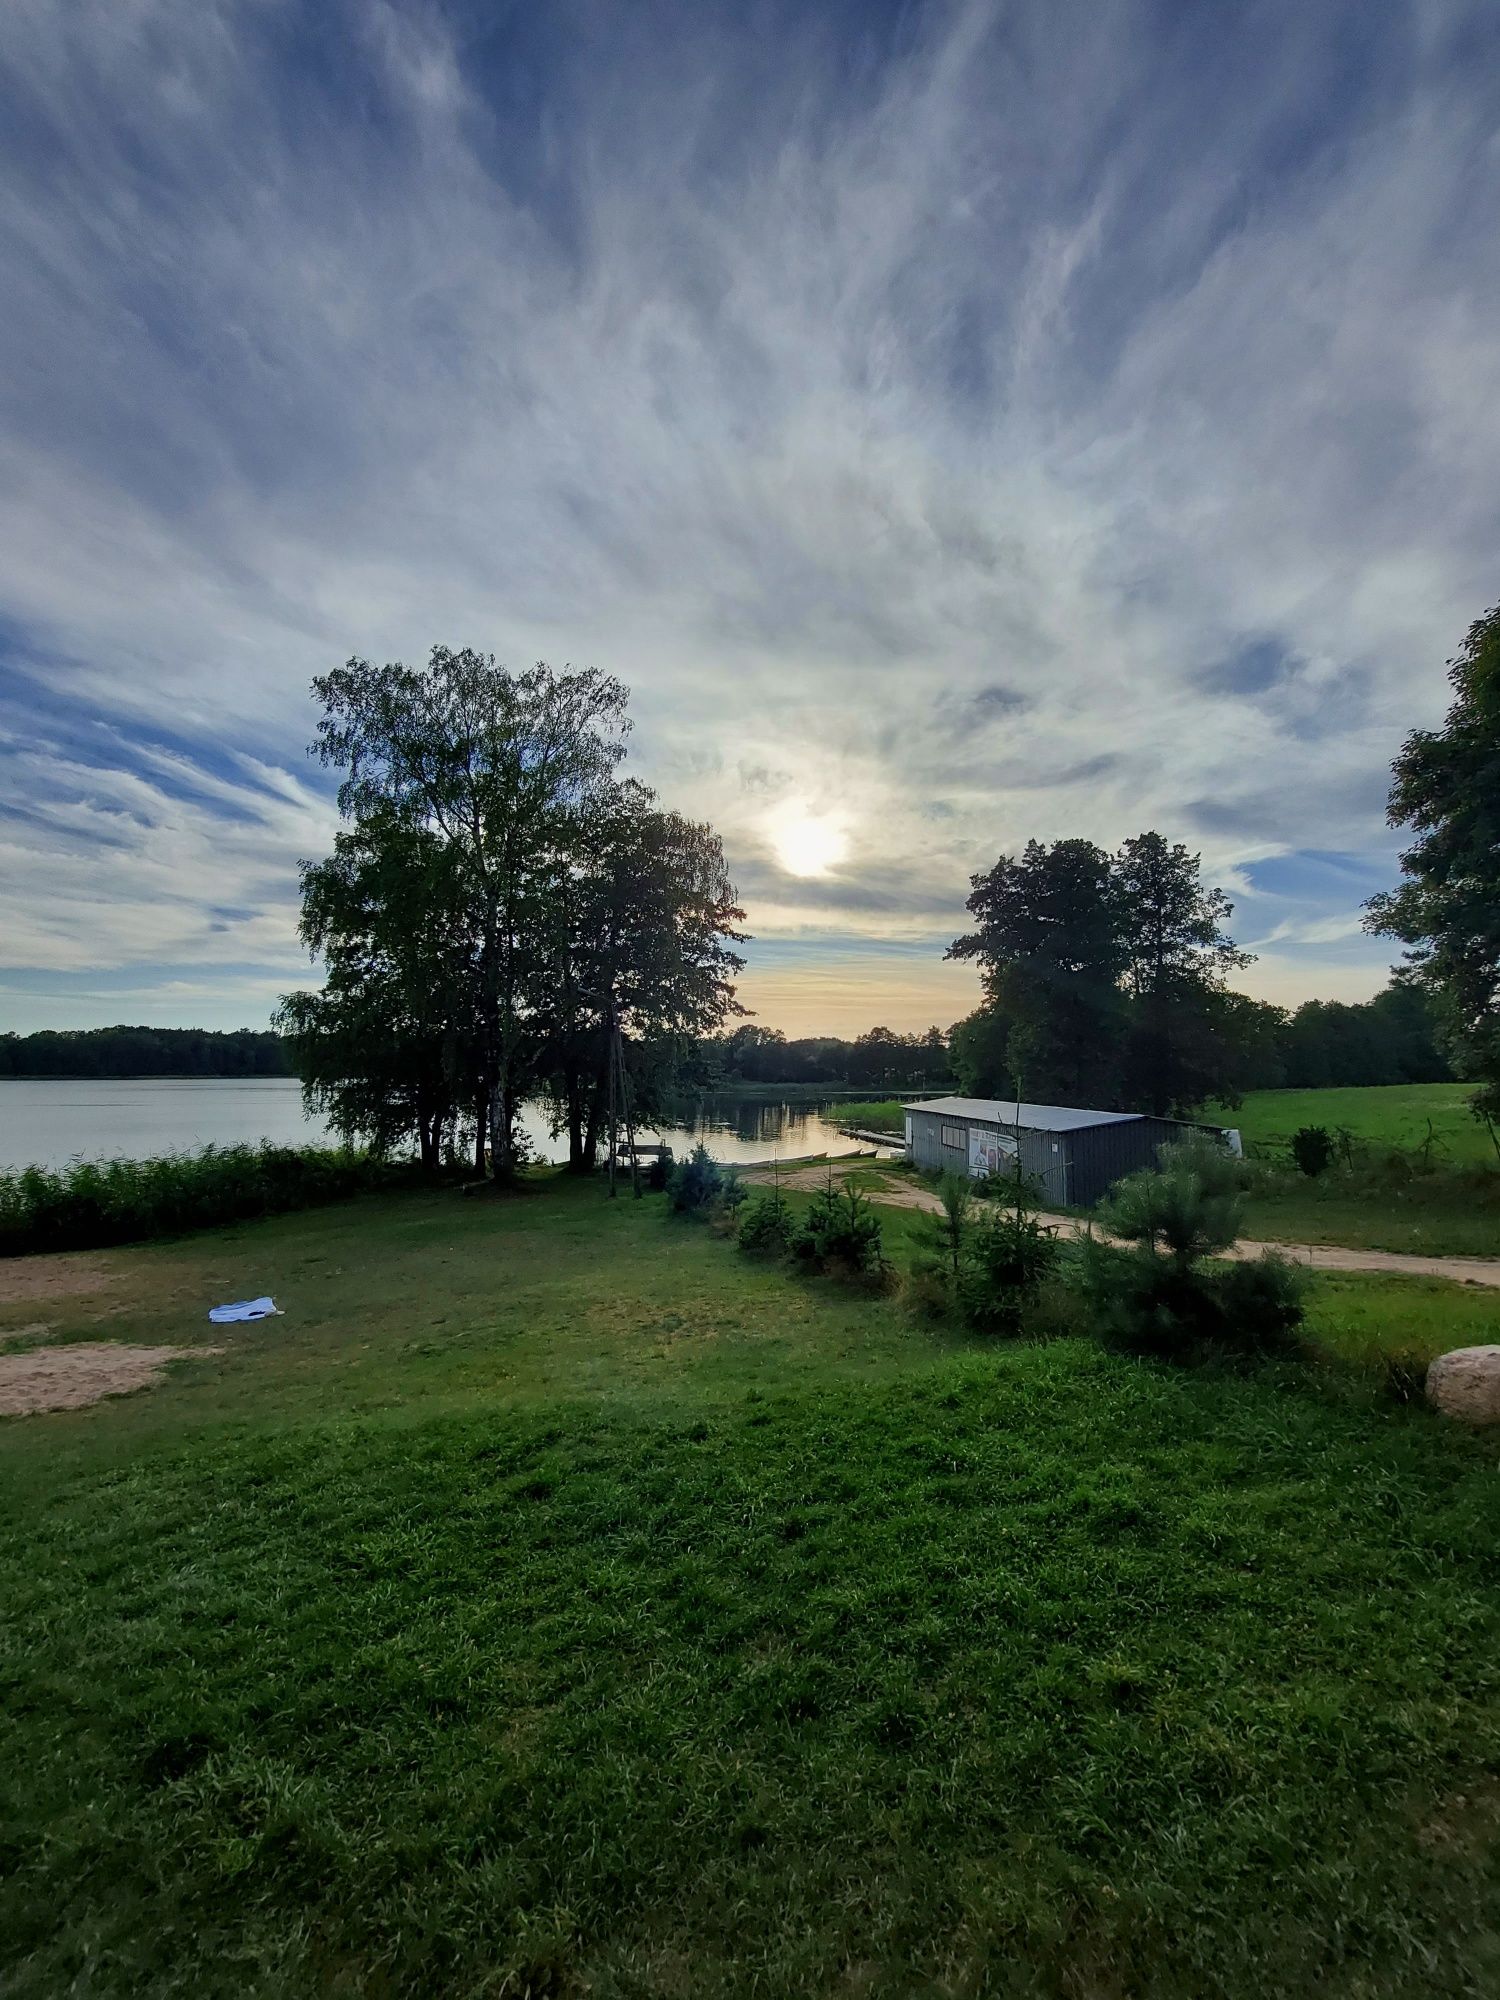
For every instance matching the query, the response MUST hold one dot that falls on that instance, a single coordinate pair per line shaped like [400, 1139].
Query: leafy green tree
[392, 1045]
[1446, 789]
[979, 1051]
[501, 914]
[645, 917]
[1177, 959]
[504, 770]
[1048, 945]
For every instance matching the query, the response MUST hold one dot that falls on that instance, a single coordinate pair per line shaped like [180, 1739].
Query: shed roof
[1032, 1117]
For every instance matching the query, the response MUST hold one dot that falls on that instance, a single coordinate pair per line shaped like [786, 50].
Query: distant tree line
[1320, 1045]
[877, 1060]
[1390, 1039]
[1325, 1044]
[55, 1052]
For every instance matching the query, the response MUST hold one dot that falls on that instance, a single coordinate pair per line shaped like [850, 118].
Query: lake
[51, 1121]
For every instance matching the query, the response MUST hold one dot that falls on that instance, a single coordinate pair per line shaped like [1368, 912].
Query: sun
[809, 843]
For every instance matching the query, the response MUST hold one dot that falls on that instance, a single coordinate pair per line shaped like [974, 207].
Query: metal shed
[1072, 1156]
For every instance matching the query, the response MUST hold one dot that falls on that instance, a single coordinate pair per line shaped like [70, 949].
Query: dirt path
[1318, 1256]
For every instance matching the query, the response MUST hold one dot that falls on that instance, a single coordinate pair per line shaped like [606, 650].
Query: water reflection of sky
[49, 1122]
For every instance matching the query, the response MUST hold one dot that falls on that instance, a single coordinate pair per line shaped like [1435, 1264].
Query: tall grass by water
[90, 1204]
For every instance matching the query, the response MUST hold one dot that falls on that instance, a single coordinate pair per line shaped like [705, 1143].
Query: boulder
[1465, 1383]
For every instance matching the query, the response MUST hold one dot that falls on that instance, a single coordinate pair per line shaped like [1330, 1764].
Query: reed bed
[90, 1204]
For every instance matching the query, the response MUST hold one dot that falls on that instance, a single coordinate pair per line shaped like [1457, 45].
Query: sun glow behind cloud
[809, 844]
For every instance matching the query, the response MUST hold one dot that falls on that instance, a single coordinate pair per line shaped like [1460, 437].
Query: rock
[1465, 1383]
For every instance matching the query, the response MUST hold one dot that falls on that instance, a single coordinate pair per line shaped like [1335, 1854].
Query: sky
[956, 423]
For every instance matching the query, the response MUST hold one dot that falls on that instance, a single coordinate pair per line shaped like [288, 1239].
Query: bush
[942, 1239]
[1155, 1297]
[1261, 1305]
[1007, 1261]
[766, 1226]
[91, 1204]
[926, 1292]
[1312, 1149]
[699, 1184]
[841, 1232]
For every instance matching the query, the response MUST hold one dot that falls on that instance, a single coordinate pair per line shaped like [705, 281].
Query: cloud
[965, 428]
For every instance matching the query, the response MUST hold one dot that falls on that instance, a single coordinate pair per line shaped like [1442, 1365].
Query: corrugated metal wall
[1101, 1154]
[1072, 1168]
[1043, 1156]
[927, 1149]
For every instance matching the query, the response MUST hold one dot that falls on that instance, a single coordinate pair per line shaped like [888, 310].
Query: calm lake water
[49, 1122]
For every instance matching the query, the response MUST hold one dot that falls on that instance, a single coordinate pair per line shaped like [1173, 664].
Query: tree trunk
[479, 1117]
[502, 1147]
[591, 1128]
[577, 1162]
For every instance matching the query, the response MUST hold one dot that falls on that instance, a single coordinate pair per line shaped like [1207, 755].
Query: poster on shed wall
[984, 1152]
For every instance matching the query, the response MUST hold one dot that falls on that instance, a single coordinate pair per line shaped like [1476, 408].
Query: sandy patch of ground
[66, 1275]
[69, 1378]
[1318, 1256]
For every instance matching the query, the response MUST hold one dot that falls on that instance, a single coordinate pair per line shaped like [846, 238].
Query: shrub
[91, 1204]
[697, 1183]
[1312, 1149]
[1261, 1303]
[841, 1232]
[1403, 1376]
[941, 1239]
[1007, 1261]
[926, 1292]
[1155, 1297]
[659, 1171]
[766, 1226]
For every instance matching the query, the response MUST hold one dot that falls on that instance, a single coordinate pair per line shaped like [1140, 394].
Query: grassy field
[1394, 1114]
[1452, 1209]
[556, 1602]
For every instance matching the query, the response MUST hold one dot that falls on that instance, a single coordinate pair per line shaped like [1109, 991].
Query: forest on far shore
[119, 1052]
[1323, 1044]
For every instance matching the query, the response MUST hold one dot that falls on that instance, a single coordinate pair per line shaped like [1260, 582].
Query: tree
[1156, 1297]
[1048, 945]
[979, 1049]
[1177, 958]
[645, 915]
[503, 769]
[502, 914]
[1446, 788]
[393, 1044]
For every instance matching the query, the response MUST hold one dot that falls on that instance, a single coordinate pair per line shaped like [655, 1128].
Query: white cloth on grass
[245, 1309]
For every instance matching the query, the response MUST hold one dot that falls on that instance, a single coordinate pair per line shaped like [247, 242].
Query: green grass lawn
[1395, 1114]
[556, 1602]
[1446, 1214]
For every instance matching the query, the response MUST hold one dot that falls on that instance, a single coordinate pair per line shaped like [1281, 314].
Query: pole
[614, 1122]
[624, 1075]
